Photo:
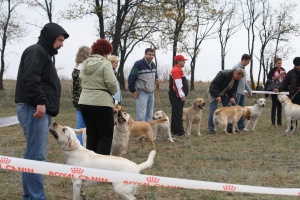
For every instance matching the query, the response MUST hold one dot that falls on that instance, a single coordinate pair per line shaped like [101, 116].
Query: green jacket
[97, 75]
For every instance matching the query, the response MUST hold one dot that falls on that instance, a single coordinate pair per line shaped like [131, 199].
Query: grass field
[267, 157]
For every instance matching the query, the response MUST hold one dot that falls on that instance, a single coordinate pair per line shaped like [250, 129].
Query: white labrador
[162, 129]
[77, 155]
[256, 112]
[292, 111]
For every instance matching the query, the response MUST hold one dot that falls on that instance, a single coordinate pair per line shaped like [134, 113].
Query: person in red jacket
[178, 90]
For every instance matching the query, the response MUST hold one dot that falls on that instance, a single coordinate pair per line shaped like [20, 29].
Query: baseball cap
[179, 57]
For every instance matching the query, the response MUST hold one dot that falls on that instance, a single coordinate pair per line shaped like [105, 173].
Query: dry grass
[267, 157]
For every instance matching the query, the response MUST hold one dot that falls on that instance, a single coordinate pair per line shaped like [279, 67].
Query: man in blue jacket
[37, 94]
[141, 83]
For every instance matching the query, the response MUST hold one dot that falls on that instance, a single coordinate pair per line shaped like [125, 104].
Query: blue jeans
[213, 106]
[36, 132]
[144, 106]
[79, 124]
[240, 100]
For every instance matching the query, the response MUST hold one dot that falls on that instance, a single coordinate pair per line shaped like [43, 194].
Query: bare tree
[132, 25]
[251, 11]
[46, 5]
[273, 33]
[201, 20]
[285, 25]
[80, 9]
[173, 16]
[228, 26]
[11, 30]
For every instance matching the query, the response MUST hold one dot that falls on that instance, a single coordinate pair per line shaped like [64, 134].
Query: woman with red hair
[96, 103]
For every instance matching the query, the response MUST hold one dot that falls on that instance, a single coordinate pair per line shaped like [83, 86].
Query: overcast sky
[82, 32]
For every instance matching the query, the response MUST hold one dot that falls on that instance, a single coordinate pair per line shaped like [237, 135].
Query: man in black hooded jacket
[38, 94]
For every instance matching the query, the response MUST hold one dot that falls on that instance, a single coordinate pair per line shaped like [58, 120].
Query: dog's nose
[119, 113]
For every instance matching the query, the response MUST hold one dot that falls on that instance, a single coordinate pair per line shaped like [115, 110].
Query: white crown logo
[229, 187]
[77, 170]
[5, 160]
[152, 179]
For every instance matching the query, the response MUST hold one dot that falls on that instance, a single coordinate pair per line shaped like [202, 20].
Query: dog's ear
[130, 121]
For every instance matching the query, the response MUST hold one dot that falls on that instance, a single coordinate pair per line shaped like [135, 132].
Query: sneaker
[244, 129]
[212, 132]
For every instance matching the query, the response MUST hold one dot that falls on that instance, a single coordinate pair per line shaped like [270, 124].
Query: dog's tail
[217, 111]
[157, 121]
[149, 162]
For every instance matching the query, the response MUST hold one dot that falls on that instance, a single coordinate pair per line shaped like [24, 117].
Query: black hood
[48, 36]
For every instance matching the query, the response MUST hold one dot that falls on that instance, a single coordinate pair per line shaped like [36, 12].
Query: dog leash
[295, 94]
[157, 94]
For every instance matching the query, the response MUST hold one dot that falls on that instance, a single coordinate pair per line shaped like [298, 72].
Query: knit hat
[296, 61]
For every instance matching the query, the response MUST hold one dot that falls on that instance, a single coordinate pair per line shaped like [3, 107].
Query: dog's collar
[284, 104]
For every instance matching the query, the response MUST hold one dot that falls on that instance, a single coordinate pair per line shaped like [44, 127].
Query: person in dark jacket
[37, 94]
[276, 74]
[291, 82]
[178, 90]
[223, 89]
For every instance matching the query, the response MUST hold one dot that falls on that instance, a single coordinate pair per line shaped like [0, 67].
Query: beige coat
[96, 74]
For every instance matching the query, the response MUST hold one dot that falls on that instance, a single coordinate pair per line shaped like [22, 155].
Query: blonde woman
[115, 62]
[81, 55]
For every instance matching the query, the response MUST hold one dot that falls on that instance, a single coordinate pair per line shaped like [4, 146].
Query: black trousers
[176, 112]
[276, 105]
[99, 122]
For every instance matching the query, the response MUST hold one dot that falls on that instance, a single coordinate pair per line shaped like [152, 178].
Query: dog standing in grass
[162, 129]
[256, 111]
[232, 114]
[193, 115]
[292, 112]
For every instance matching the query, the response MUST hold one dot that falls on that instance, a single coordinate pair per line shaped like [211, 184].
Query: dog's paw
[287, 130]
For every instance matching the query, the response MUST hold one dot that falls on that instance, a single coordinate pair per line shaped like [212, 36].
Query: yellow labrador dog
[162, 129]
[232, 114]
[121, 134]
[256, 111]
[140, 130]
[77, 155]
[193, 115]
[292, 111]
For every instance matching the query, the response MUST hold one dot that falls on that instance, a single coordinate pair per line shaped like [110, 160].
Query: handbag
[271, 85]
